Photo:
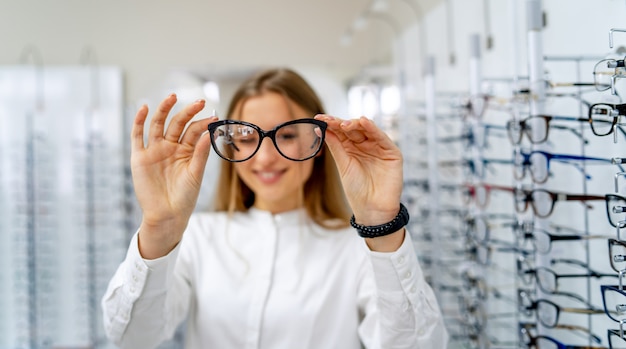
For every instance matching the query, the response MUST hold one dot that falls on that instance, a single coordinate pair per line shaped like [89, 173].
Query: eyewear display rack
[496, 287]
[63, 218]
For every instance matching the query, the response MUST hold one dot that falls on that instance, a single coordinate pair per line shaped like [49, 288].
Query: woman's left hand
[370, 166]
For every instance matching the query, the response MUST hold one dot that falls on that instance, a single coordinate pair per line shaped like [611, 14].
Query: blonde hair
[323, 197]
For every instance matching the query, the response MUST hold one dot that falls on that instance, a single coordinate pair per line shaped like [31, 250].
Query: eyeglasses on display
[537, 162]
[617, 255]
[580, 331]
[542, 240]
[605, 73]
[604, 119]
[547, 342]
[296, 140]
[543, 201]
[536, 128]
[480, 193]
[548, 312]
[548, 279]
[614, 302]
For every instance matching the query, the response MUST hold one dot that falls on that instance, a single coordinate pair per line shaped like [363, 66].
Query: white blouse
[258, 280]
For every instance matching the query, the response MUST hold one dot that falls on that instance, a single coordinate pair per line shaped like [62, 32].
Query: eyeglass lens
[540, 200]
[615, 216]
[238, 141]
[603, 72]
[535, 128]
[603, 117]
[614, 301]
[617, 253]
[535, 162]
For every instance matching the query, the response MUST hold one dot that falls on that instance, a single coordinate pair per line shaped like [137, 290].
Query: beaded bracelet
[375, 231]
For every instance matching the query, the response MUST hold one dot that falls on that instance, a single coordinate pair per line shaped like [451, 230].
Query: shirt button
[135, 278]
[132, 290]
[401, 259]
[407, 275]
[413, 289]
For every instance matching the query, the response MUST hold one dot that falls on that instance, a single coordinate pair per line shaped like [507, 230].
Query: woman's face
[275, 180]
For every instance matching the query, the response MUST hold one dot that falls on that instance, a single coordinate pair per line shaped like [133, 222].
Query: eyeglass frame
[621, 111]
[532, 341]
[270, 133]
[548, 118]
[528, 325]
[530, 234]
[555, 196]
[563, 158]
[534, 304]
[591, 273]
[615, 288]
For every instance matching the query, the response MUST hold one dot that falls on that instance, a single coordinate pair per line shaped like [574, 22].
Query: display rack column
[432, 160]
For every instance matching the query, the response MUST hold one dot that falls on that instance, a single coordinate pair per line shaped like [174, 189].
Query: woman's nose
[267, 151]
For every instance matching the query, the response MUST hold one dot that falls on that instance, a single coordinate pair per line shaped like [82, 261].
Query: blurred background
[508, 112]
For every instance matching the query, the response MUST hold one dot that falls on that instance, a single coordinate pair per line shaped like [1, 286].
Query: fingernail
[199, 100]
[346, 123]
[172, 95]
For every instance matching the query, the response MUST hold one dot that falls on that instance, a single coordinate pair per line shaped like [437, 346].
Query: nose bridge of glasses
[267, 139]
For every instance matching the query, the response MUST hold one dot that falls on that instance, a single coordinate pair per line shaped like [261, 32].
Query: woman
[277, 264]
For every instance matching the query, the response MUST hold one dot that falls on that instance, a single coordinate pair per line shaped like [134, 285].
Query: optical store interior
[509, 115]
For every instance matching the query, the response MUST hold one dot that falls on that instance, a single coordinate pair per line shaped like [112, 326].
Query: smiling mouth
[269, 176]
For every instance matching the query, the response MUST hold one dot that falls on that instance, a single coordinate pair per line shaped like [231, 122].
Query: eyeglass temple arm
[590, 310]
[575, 296]
[572, 130]
[582, 198]
[595, 337]
[568, 161]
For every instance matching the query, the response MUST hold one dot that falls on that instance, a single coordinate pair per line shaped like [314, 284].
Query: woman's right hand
[167, 173]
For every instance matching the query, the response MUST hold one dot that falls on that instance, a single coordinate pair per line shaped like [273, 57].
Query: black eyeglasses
[614, 302]
[546, 342]
[542, 240]
[581, 331]
[548, 312]
[548, 279]
[296, 140]
[604, 118]
[617, 255]
[615, 207]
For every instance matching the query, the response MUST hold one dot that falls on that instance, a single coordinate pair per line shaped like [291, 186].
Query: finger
[180, 120]
[333, 124]
[200, 154]
[136, 134]
[353, 131]
[375, 134]
[158, 119]
[334, 140]
[195, 130]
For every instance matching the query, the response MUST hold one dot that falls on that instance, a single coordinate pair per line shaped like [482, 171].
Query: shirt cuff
[148, 277]
[398, 270]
